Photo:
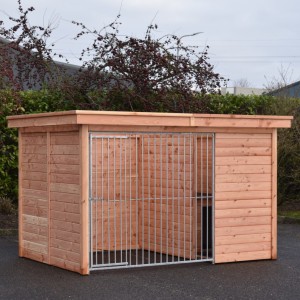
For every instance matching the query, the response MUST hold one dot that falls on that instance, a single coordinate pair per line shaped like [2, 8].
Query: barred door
[151, 198]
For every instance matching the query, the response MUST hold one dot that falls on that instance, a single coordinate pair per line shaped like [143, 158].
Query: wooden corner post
[274, 195]
[20, 194]
[84, 204]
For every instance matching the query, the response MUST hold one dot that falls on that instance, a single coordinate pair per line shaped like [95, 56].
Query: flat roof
[118, 118]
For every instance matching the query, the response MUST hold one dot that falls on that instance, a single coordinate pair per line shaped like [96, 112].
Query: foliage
[7, 207]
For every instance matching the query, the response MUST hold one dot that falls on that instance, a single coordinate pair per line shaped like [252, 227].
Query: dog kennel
[102, 190]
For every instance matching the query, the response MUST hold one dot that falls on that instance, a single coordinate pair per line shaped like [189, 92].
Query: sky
[255, 40]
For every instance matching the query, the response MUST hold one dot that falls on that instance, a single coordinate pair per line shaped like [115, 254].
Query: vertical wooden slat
[84, 206]
[274, 195]
[20, 194]
[48, 190]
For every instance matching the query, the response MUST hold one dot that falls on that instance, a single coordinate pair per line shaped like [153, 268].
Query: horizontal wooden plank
[31, 175]
[35, 167]
[242, 256]
[242, 151]
[67, 207]
[65, 216]
[64, 226]
[64, 169]
[64, 159]
[63, 197]
[250, 229]
[247, 247]
[243, 136]
[243, 169]
[64, 149]
[50, 128]
[242, 142]
[242, 221]
[238, 178]
[34, 139]
[242, 204]
[34, 158]
[37, 149]
[35, 247]
[241, 186]
[65, 178]
[243, 239]
[41, 257]
[36, 229]
[244, 195]
[35, 194]
[65, 245]
[243, 160]
[35, 220]
[65, 188]
[35, 238]
[65, 255]
[33, 202]
[64, 264]
[242, 212]
[35, 211]
[64, 138]
[65, 235]
[35, 185]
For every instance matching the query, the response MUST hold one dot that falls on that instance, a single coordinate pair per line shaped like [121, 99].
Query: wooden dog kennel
[101, 190]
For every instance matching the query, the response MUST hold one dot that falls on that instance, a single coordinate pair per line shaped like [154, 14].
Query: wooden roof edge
[131, 113]
[186, 119]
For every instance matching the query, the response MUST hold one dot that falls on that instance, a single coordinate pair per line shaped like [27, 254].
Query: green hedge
[12, 103]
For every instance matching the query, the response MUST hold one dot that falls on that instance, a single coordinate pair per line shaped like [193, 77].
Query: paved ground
[25, 279]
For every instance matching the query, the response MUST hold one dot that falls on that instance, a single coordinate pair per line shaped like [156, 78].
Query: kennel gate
[151, 198]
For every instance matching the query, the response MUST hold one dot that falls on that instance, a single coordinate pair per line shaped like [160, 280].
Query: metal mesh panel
[151, 199]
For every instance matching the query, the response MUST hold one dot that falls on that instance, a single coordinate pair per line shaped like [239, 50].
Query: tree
[121, 73]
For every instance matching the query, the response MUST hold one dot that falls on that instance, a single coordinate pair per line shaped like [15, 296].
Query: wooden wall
[243, 190]
[167, 167]
[34, 210]
[114, 184]
[50, 198]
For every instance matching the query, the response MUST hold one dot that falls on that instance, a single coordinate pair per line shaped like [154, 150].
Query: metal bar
[178, 193]
[167, 197]
[91, 196]
[161, 198]
[206, 196]
[184, 181]
[121, 202]
[149, 202]
[143, 198]
[102, 196]
[201, 206]
[136, 201]
[108, 198]
[96, 190]
[99, 268]
[130, 201]
[125, 191]
[213, 200]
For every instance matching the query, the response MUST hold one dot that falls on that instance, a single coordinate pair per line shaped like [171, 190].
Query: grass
[290, 214]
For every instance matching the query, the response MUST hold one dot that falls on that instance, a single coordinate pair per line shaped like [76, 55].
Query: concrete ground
[25, 279]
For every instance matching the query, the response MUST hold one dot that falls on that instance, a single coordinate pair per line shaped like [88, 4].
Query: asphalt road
[25, 279]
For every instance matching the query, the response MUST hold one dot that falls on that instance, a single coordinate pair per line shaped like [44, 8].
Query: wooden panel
[250, 229]
[274, 195]
[243, 196]
[64, 178]
[242, 204]
[243, 151]
[244, 239]
[243, 256]
[33, 187]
